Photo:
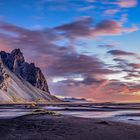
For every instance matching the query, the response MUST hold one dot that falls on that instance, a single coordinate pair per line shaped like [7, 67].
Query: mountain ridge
[16, 63]
[21, 81]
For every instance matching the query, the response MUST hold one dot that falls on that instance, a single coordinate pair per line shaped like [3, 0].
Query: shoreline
[118, 113]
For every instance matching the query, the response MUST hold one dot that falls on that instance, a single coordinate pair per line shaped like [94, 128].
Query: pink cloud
[135, 65]
[124, 3]
[39, 46]
[105, 91]
[112, 27]
[132, 29]
[127, 3]
[111, 11]
[85, 28]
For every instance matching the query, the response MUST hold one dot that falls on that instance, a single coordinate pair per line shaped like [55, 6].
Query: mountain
[72, 99]
[20, 81]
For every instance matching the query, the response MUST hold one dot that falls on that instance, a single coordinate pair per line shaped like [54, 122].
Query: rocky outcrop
[20, 81]
[16, 63]
[4, 78]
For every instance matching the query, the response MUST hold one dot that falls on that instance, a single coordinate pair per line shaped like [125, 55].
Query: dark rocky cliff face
[15, 62]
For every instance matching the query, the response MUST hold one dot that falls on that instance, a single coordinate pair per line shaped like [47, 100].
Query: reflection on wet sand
[129, 113]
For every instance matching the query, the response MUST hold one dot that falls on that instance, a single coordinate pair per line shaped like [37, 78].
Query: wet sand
[60, 127]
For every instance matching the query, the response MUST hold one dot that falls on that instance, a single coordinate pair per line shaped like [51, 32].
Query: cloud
[111, 27]
[120, 60]
[124, 3]
[84, 27]
[121, 53]
[111, 11]
[86, 8]
[29, 39]
[124, 18]
[78, 28]
[91, 1]
[131, 76]
[42, 43]
[103, 91]
[134, 65]
[131, 69]
[57, 60]
[75, 64]
[107, 46]
[65, 5]
[84, 5]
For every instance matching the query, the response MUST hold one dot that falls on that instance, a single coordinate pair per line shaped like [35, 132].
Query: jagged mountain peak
[16, 63]
[16, 51]
[21, 80]
[17, 54]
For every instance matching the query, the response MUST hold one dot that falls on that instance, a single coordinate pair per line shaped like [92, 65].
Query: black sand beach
[60, 127]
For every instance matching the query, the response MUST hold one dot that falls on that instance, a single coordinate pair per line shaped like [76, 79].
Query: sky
[86, 48]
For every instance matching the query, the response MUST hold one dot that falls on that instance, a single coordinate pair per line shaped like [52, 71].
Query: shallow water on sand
[127, 113]
[130, 115]
[12, 112]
